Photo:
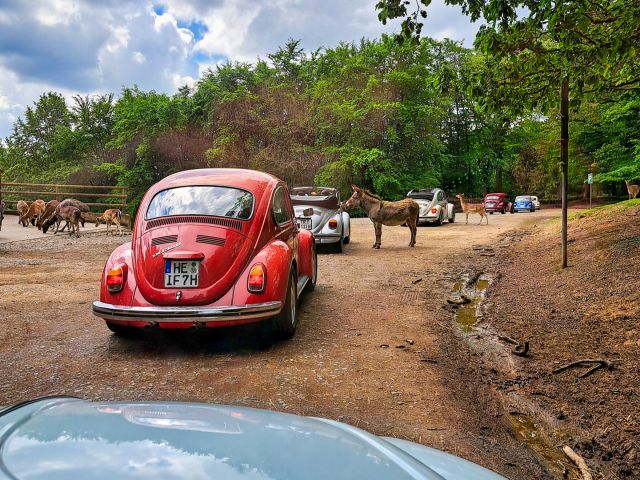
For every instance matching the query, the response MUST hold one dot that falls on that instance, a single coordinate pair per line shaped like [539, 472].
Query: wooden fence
[97, 197]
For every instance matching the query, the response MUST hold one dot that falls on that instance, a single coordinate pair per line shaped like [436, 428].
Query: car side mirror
[307, 212]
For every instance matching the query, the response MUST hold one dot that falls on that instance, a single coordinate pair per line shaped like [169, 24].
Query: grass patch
[605, 209]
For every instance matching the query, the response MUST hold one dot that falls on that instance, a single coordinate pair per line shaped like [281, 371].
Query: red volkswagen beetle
[210, 247]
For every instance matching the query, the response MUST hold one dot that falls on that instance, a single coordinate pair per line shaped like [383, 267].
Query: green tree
[543, 49]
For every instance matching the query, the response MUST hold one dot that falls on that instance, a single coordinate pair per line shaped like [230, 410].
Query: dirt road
[375, 347]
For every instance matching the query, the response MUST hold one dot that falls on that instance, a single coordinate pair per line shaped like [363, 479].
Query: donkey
[385, 213]
[111, 216]
[632, 189]
[468, 208]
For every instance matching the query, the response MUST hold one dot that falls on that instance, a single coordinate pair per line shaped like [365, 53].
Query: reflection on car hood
[67, 438]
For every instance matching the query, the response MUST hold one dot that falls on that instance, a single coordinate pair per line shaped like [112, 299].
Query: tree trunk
[564, 161]
[499, 178]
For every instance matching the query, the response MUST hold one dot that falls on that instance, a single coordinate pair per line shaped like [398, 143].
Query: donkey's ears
[355, 188]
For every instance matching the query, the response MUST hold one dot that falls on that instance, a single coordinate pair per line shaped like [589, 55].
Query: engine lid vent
[210, 240]
[163, 240]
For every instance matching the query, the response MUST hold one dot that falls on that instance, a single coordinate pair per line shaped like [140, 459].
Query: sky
[99, 46]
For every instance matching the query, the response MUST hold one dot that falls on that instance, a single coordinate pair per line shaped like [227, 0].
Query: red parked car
[496, 202]
[212, 248]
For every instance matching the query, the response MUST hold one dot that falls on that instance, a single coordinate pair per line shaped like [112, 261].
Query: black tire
[490, 213]
[284, 324]
[531, 210]
[438, 223]
[311, 284]
[122, 330]
[337, 247]
[503, 211]
[347, 239]
[453, 219]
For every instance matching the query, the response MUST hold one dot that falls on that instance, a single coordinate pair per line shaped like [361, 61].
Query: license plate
[304, 223]
[181, 273]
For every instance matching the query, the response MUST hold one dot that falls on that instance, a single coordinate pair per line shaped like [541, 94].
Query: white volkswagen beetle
[318, 209]
[434, 207]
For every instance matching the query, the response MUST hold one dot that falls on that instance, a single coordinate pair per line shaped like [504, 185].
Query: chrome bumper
[326, 237]
[186, 314]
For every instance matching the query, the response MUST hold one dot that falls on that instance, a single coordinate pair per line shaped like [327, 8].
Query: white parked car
[536, 202]
[434, 207]
[318, 209]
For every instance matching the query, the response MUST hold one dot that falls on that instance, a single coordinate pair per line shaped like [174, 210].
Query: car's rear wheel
[347, 239]
[503, 211]
[453, 218]
[490, 213]
[337, 247]
[122, 330]
[284, 324]
[438, 222]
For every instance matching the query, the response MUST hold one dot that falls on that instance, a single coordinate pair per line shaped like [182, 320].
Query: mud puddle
[530, 431]
[468, 294]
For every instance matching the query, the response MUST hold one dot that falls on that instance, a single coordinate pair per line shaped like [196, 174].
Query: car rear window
[421, 195]
[523, 199]
[493, 197]
[201, 200]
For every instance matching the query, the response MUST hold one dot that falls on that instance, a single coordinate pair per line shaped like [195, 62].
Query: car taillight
[257, 278]
[116, 278]
[434, 210]
[333, 224]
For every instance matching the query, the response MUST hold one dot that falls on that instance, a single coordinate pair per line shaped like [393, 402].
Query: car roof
[423, 193]
[79, 439]
[233, 177]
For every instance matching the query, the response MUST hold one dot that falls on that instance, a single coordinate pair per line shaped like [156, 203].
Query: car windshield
[523, 198]
[201, 200]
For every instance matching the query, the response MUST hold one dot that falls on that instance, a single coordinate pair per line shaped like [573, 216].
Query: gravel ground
[375, 347]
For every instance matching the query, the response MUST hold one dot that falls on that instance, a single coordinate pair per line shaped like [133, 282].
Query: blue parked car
[62, 438]
[523, 203]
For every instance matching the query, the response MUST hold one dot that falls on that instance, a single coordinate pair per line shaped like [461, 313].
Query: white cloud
[57, 12]
[139, 57]
[85, 46]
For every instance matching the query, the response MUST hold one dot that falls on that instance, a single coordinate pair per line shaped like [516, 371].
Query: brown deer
[69, 202]
[72, 216]
[468, 208]
[111, 216]
[632, 189]
[33, 213]
[22, 208]
[381, 212]
[49, 211]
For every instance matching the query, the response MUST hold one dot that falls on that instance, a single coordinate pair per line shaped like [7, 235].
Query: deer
[72, 215]
[468, 208]
[633, 190]
[33, 213]
[74, 203]
[111, 216]
[22, 208]
[381, 212]
[49, 211]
